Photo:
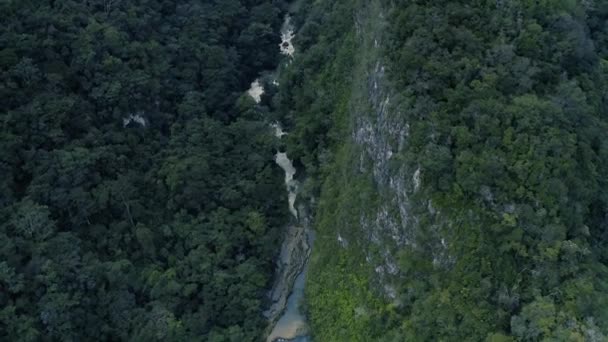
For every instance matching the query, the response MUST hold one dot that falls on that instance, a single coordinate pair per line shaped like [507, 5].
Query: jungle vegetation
[139, 199]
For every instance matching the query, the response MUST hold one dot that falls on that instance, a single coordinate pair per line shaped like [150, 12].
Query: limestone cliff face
[407, 223]
[380, 133]
[372, 209]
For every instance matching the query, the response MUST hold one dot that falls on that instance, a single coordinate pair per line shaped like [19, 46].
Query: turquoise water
[293, 322]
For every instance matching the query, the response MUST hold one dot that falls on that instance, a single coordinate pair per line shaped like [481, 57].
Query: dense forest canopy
[139, 199]
[138, 195]
[508, 109]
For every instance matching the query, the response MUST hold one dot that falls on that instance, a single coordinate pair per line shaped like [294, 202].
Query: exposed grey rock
[137, 118]
[342, 241]
[381, 132]
[295, 251]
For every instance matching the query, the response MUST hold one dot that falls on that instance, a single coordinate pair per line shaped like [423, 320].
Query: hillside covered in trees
[460, 157]
[453, 155]
[138, 195]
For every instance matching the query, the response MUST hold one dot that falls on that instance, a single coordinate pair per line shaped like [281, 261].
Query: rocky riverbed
[286, 318]
[287, 321]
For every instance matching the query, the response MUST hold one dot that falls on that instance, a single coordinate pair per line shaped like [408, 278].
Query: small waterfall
[287, 321]
[292, 324]
[283, 161]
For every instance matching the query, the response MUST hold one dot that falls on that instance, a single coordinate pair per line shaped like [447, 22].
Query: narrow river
[287, 319]
[292, 324]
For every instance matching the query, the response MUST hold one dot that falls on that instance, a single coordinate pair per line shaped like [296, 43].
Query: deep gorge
[256, 170]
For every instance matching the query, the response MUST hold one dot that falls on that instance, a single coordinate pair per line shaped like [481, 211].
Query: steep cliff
[350, 135]
[456, 151]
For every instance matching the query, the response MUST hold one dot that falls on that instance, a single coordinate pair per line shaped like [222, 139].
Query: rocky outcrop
[292, 261]
[381, 132]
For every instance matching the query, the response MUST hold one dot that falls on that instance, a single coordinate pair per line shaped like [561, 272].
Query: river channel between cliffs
[286, 318]
[288, 290]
